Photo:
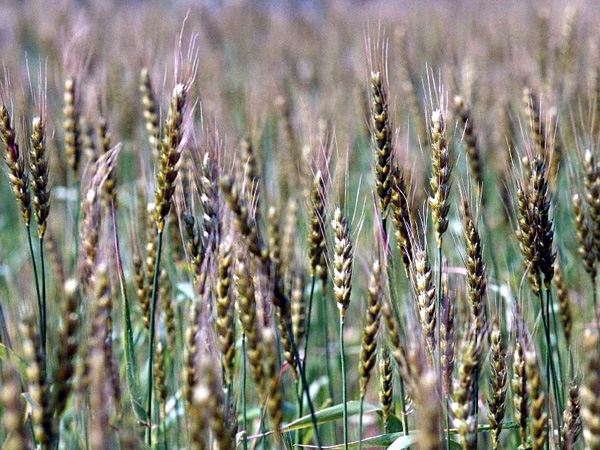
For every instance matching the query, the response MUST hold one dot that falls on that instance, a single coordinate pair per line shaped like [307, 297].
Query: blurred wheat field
[327, 224]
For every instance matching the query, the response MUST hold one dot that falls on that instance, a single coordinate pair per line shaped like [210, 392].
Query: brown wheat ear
[447, 345]
[590, 392]
[540, 198]
[102, 331]
[440, 175]
[401, 217]
[190, 354]
[274, 396]
[169, 155]
[316, 234]
[571, 428]
[527, 242]
[71, 127]
[591, 183]
[538, 419]
[464, 393]
[165, 295]
[245, 224]
[246, 303]
[16, 165]
[586, 248]
[498, 377]
[368, 353]
[382, 139]
[38, 164]
[386, 386]
[288, 240]
[39, 388]
[342, 261]
[425, 297]
[67, 351]
[160, 377]
[519, 390]
[476, 273]
[196, 250]
[532, 109]
[150, 110]
[564, 303]
[109, 194]
[225, 312]
[210, 200]
[251, 173]
[298, 307]
[470, 141]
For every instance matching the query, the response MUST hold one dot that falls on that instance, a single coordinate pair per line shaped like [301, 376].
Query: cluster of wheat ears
[352, 262]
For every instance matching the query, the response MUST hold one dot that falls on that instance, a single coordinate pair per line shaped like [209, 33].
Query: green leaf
[328, 415]
[130, 362]
[394, 423]
[454, 444]
[323, 416]
[131, 368]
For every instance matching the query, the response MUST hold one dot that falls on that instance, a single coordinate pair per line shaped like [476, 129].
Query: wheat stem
[403, 408]
[37, 289]
[360, 421]
[550, 306]
[152, 332]
[325, 327]
[308, 316]
[438, 321]
[343, 368]
[311, 407]
[244, 412]
[550, 369]
[44, 322]
[299, 397]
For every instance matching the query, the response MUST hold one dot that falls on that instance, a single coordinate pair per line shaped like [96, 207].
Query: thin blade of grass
[394, 441]
[398, 441]
[133, 386]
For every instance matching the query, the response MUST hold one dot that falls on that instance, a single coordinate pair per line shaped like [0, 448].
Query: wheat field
[300, 224]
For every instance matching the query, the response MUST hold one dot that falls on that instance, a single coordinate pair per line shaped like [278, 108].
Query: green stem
[152, 332]
[299, 388]
[244, 411]
[304, 383]
[403, 408]
[44, 310]
[557, 386]
[550, 305]
[299, 393]
[325, 328]
[550, 370]
[37, 289]
[438, 305]
[360, 421]
[447, 418]
[344, 393]
[308, 316]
